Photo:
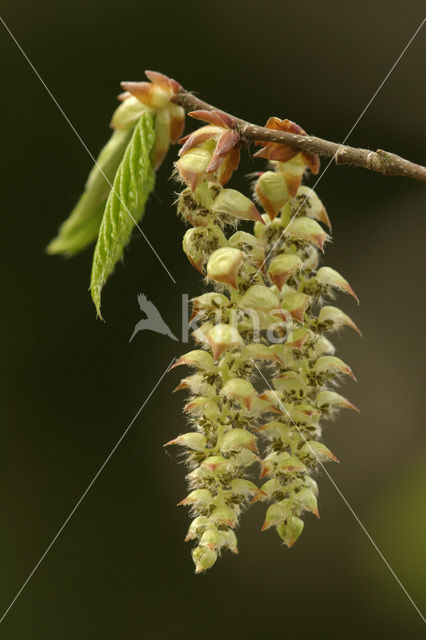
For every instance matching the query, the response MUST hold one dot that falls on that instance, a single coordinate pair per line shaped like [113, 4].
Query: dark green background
[72, 384]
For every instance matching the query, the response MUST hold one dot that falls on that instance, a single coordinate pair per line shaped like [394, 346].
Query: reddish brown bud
[150, 94]
[283, 152]
[163, 81]
[199, 137]
[229, 165]
[226, 141]
[219, 118]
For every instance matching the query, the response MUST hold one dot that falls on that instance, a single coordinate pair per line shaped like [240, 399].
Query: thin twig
[389, 164]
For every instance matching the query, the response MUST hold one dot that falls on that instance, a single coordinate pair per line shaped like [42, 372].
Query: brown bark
[384, 162]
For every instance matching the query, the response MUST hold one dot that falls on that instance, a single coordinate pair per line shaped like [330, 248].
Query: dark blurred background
[72, 384]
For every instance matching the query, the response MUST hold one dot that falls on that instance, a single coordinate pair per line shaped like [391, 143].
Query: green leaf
[125, 206]
[82, 226]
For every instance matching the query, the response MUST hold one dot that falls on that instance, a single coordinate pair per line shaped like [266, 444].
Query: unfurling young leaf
[125, 206]
[82, 226]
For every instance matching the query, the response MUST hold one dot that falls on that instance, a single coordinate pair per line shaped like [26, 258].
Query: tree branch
[389, 164]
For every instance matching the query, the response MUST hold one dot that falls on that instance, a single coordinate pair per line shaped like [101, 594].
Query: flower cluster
[264, 315]
[155, 95]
